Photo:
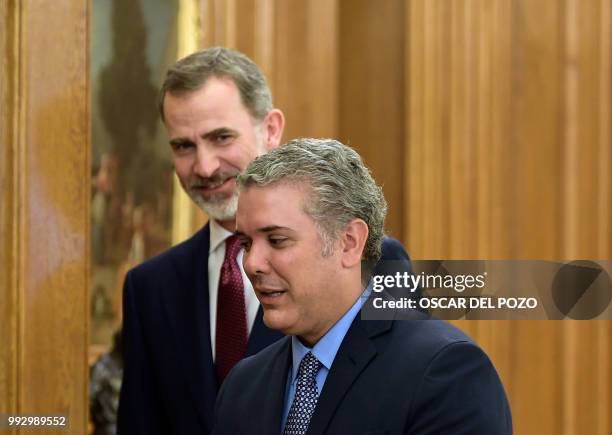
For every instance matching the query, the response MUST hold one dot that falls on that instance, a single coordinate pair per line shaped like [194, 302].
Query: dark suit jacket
[169, 382]
[388, 377]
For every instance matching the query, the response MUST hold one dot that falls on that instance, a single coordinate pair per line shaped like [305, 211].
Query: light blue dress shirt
[324, 350]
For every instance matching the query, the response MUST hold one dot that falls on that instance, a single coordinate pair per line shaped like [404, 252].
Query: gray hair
[341, 188]
[190, 73]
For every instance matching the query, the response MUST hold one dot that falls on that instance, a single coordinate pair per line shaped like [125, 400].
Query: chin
[276, 321]
[219, 209]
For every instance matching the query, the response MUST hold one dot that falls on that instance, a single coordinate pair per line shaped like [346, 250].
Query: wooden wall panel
[45, 225]
[424, 200]
[414, 124]
[458, 110]
[55, 219]
[8, 230]
[501, 154]
[508, 156]
[586, 216]
[371, 77]
[537, 135]
[537, 174]
[605, 131]
[305, 66]
[586, 374]
[604, 377]
[246, 25]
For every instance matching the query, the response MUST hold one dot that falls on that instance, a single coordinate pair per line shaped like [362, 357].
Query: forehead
[278, 204]
[218, 98]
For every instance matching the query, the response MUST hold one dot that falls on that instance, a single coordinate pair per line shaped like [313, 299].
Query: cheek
[182, 167]
[305, 288]
[304, 273]
[231, 158]
[244, 153]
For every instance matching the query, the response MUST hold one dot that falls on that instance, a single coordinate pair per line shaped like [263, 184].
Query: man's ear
[353, 239]
[274, 123]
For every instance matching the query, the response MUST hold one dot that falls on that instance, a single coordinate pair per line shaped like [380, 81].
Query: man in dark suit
[309, 216]
[190, 314]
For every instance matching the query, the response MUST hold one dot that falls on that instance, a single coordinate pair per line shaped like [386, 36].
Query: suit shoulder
[392, 249]
[392, 242]
[427, 338]
[454, 370]
[431, 330]
[180, 254]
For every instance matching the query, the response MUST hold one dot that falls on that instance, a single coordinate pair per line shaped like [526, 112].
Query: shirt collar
[218, 234]
[326, 348]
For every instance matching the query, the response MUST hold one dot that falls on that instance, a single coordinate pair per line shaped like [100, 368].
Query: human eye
[223, 138]
[181, 148]
[277, 241]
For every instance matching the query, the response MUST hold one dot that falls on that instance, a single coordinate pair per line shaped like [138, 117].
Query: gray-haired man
[190, 314]
[308, 214]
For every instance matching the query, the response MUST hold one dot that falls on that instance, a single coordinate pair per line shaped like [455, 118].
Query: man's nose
[255, 261]
[206, 163]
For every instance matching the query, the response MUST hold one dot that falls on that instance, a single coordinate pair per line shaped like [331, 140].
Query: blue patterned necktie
[306, 396]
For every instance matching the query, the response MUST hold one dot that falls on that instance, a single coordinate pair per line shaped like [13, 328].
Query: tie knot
[309, 366]
[232, 246]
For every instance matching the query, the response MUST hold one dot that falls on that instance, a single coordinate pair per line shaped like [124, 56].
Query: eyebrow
[218, 132]
[266, 229]
[209, 135]
[180, 141]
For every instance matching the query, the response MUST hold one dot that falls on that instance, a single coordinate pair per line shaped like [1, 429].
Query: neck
[229, 225]
[344, 304]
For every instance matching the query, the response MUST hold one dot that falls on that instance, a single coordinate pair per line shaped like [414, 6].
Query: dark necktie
[306, 396]
[231, 334]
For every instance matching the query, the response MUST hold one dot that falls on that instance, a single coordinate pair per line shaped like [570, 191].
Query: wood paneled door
[44, 209]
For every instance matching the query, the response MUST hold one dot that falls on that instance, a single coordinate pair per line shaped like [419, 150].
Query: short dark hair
[191, 73]
[341, 187]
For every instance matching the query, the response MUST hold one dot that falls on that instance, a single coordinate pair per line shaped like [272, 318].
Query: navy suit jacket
[169, 382]
[388, 377]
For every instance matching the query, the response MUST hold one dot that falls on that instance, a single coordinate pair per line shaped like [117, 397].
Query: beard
[220, 207]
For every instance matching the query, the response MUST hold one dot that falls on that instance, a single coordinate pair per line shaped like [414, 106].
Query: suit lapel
[354, 355]
[188, 311]
[273, 399]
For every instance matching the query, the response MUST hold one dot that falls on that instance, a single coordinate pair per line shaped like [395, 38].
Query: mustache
[216, 179]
